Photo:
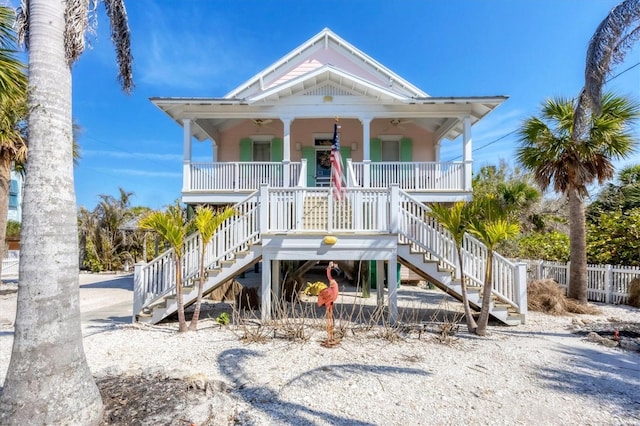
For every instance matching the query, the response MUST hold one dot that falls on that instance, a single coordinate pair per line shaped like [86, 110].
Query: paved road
[105, 300]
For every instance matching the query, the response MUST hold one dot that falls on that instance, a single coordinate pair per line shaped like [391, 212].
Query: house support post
[286, 153]
[275, 288]
[265, 289]
[521, 288]
[366, 151]
[392, 283]
[467, 154]
[186, 150]
[380, 283]
[138, 290]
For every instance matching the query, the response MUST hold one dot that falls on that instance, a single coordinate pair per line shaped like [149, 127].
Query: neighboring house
[15, 197]
[271, 139]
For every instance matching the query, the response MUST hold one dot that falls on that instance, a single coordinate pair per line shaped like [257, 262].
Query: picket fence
[10, 267]
[605, 283]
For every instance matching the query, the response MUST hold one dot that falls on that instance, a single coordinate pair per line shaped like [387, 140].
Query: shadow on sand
[268, 401]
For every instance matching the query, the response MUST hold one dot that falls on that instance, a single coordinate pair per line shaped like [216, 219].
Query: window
[390, 150]
[261, 151]
[13, 194]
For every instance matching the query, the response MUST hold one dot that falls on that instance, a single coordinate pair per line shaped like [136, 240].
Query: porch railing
[241, 176]
[414, 176]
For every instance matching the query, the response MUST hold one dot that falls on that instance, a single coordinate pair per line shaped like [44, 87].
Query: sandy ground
[538, 373]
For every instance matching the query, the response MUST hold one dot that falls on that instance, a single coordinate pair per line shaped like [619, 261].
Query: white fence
[605, 283]
[10, 267]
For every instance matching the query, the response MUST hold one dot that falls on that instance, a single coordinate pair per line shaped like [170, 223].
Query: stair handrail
[158, 276]
[419, 228]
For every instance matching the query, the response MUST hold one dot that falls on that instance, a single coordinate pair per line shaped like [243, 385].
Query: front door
[323, 166]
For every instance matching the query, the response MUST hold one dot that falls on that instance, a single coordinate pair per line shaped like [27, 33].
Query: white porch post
[392, 284]
[380, 283]
[265, 289]
[366, 151]
[214, 150]
[467, 153]
[286, 152]
[437, 153]
[186, 149]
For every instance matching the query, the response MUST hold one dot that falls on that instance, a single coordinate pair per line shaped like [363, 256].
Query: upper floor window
[261, 150]
[390, 150]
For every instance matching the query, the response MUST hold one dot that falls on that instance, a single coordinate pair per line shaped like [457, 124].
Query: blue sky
[528, 50]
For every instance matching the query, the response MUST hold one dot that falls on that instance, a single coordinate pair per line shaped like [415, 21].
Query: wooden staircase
[422, 245]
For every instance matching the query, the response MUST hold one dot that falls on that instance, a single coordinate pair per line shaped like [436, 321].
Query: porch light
[298, 147]
[330, 240]
[354, 146]
[328, 98]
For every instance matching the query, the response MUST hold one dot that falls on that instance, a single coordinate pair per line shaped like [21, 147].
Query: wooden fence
[605, 283]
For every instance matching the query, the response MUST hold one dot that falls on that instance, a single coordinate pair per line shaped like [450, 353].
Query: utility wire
[513, 131]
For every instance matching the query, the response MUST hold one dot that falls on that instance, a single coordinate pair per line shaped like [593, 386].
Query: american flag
[337, 177]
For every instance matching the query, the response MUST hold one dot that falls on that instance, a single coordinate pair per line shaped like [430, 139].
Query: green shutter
[246, 149]
[406, 150]
[276, 150]
[375, 151]
[345, 152]
[309, 153]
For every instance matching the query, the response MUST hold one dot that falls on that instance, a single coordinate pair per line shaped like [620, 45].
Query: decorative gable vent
[328, 90]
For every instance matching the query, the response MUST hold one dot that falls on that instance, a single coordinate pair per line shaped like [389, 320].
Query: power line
[622, 72]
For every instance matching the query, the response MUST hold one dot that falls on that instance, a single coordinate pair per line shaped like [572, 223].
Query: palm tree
[48, 336]
[491, 226]
[455, 219]
[206, 221]
[549, 150]
[171, 227]
[13, 110]
[612, 40]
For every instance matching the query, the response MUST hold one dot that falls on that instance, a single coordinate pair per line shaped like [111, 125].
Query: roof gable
[325, 49]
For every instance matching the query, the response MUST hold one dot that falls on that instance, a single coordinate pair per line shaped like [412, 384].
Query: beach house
[272, 145]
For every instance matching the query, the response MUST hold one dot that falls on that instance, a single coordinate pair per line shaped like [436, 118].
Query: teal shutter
[345, 152]
[276, 150]
[246, 149]
[309, 154]
[406, 150]
[375, 150]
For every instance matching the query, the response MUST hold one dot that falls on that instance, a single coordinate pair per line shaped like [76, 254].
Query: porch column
[286, 151]
[366, 151]
[186, 149]
[392, 286]
[467, 153]
[437, 154]
[214, 150]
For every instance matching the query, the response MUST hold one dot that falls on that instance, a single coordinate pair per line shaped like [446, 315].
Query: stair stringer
[168, 305]
[442, 277]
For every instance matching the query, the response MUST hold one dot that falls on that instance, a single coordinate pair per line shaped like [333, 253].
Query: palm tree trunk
[471, 323]
[193, 325]
[483, 321]
[182, 323]
[578, 248]
[5, 183]
[49, 381]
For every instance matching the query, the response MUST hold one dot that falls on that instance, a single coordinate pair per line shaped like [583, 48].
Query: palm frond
[121, 38]
[608, 46]
[207, 220]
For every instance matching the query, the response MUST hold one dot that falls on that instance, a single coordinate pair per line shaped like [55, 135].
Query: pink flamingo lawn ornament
[326, 298]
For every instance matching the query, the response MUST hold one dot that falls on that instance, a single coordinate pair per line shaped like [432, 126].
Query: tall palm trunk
[182, 323]
[48, 381]
[471, 323]
[5, 183]
[193, 325]
[483, 321]
[578, 244]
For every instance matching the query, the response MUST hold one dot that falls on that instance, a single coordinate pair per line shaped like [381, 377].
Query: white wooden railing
[605, 283]
[316, 210]
[157, 278]
[417, 227]
[414, 176]
[10, 267]
[241, 176]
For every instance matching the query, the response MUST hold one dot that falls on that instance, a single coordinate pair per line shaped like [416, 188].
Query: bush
[552, 245]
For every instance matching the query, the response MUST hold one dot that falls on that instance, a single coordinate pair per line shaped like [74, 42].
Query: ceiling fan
[261, 121]
[397, 123]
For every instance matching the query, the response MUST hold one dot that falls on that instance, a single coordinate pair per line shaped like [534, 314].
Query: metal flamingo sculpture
[326, 298]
